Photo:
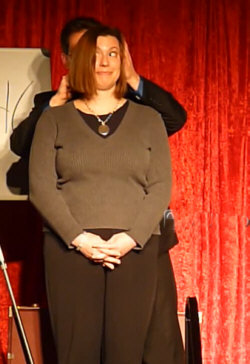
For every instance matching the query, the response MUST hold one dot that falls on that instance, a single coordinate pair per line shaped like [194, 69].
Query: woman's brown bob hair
[82, 65]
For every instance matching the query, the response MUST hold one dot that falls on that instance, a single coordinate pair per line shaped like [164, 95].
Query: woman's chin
[106, 87]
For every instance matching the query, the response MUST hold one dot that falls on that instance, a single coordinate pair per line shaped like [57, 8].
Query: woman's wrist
[79, 241]
[79, 246]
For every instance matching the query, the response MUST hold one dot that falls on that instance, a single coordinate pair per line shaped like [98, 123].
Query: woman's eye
[113, 54]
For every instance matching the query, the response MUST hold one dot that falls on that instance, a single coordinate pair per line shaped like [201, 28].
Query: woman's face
[108, 62]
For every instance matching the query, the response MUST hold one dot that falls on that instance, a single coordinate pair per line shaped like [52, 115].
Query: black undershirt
[113, 122]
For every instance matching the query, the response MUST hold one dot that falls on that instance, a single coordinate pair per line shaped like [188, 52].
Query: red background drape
[198, 50]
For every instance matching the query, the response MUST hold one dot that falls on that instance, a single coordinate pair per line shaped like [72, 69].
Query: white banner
[24, 72]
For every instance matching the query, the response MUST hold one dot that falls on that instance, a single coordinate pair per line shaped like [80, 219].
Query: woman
[100, 175]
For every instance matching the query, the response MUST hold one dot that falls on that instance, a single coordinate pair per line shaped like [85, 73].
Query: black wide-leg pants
[101, 316]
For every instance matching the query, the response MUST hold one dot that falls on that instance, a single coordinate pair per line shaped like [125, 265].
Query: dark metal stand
[192, 333]
[17, 318]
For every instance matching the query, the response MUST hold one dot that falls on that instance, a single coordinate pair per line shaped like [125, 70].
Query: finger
[97, 260]
[109, 244]
[110, 252]
[109, 265]
[99, 245]
[100, 261]
[126, 46]
[102, 247]
[98, 256]
[112, 260]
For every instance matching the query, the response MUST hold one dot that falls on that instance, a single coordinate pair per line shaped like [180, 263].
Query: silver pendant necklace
[103, 128]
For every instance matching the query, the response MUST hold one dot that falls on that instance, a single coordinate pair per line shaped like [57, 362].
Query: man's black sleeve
[172, 113]
[22, 135]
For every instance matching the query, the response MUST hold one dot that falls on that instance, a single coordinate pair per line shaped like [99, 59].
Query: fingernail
[99, 256]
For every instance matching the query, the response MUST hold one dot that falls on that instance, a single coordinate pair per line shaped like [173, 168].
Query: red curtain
[198, 50]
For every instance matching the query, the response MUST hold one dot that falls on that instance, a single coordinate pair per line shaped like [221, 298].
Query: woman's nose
[104, 60]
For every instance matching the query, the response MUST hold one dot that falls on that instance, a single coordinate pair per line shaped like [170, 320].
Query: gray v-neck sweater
[79, 180]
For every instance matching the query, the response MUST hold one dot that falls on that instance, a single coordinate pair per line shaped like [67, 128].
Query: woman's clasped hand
[108, 253]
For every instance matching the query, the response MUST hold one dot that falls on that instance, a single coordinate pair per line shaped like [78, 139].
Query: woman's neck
[102, 103]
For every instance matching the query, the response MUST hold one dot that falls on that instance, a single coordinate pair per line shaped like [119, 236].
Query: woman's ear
[65, 60]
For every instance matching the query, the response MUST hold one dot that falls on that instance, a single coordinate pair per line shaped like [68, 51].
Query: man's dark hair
[73, 26]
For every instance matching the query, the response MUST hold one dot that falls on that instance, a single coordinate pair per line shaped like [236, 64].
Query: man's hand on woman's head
[132, 76]
[63, 93]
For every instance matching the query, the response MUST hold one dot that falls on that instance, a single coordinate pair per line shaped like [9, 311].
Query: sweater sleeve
[44, 194]
[158, 187]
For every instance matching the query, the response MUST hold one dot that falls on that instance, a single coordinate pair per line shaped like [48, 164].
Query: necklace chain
[103, 122]
[103, 128]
